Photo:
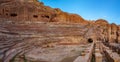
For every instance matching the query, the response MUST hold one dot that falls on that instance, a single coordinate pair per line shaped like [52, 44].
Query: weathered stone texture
[32, 10]
[118, 34]
[28, 24]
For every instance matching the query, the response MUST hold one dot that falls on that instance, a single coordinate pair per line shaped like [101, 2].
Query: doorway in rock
[90, 40]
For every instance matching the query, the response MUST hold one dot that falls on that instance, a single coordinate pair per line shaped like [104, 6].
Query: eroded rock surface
[27, 25]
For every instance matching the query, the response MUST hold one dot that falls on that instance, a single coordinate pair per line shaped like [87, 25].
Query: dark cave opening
[90, 40]
[35, 16]
[45, 16]
[13, 14]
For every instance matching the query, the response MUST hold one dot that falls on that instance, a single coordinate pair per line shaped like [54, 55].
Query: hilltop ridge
[35, 11]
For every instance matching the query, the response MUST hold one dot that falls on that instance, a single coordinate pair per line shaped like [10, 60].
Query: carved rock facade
[28, 24]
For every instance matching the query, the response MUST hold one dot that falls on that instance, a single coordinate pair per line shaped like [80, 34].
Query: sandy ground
[59, 53]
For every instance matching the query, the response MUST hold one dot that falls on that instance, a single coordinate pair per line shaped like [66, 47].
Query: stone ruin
[29, 20]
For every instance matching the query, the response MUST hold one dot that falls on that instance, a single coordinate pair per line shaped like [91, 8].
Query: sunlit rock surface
[30, 31]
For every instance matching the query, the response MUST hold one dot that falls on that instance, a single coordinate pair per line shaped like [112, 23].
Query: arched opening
[90, 40]
[45, 16]
[13, 14]
[35, 16]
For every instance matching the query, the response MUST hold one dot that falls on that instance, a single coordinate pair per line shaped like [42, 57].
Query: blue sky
[89, 9]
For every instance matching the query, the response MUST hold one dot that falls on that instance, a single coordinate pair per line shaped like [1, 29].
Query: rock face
[28, 24]
[5, 1]
[118, 34]
[32, 10]
[114, 30]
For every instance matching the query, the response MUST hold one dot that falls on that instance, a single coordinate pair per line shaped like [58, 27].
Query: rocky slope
[32, 10]
[28, 24]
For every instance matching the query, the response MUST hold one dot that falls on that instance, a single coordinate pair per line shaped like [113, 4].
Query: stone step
[87, 55]
[3, 50]
[98, 57]
[113, 56]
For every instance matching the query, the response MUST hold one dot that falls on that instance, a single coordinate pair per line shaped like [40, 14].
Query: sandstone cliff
[32, 10]
[28, 24]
